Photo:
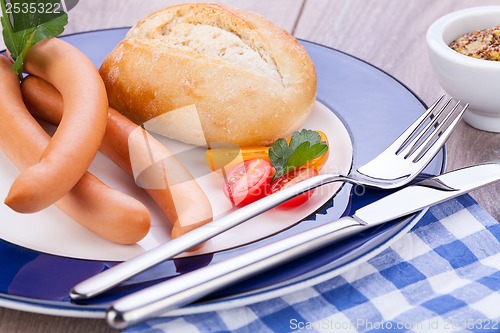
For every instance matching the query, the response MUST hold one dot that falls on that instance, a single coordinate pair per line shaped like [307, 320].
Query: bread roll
[208, 73]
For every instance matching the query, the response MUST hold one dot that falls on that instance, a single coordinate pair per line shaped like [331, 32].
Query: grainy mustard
[481, 44]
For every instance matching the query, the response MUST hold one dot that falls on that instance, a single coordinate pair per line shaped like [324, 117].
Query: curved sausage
[107, 212]
[78, 137]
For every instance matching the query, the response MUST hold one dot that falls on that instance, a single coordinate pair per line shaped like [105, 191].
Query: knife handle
[189, 287]
[107, 279]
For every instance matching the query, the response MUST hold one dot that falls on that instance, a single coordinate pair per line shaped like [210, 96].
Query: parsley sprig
[303, 147]
[24, 28]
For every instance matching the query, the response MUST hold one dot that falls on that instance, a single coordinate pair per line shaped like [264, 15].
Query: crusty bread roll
[207, 73]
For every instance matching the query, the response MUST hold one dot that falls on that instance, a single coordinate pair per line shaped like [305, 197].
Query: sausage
[105, 211]
[78, 137]
[168, 182]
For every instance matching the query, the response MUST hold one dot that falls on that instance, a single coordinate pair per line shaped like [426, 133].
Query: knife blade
[189, 287]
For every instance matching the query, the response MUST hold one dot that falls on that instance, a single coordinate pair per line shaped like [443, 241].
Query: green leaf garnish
[304, 146]
[24, 26]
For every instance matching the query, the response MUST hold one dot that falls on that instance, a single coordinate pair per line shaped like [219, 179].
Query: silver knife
[189, 287]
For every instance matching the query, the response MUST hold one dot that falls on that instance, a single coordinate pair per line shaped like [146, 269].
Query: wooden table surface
[390, 34]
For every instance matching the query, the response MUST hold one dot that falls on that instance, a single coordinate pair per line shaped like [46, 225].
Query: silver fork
[399, 164]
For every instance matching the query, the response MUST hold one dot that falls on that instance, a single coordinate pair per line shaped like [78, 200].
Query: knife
[189, 287]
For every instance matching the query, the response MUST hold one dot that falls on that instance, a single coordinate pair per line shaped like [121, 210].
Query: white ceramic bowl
[471, 80]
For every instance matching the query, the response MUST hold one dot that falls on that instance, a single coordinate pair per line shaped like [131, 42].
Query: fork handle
[189, 287]
[106, 280]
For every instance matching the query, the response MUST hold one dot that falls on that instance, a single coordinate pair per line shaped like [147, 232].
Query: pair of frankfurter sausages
[44, 160]
[177, 193]
[90, 202]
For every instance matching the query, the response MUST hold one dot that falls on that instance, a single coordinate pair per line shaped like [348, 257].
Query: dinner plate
[50, 231]
[362, 110]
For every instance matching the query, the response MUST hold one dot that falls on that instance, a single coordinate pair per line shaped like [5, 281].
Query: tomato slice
[291, 178]
[248, 181]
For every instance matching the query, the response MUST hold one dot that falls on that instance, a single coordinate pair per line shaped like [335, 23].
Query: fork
[399, 164]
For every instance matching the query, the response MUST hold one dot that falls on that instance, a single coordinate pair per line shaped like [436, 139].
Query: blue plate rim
[98, 311]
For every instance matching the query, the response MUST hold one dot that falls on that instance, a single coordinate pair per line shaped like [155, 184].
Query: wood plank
[391, 35]
[98, 14]
[13, 321]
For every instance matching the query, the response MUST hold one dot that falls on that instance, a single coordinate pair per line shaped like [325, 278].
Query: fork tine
[441, 134]
[410, 148]
[409, 133]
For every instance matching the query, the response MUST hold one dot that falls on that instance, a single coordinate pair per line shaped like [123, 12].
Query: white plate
[50, 231]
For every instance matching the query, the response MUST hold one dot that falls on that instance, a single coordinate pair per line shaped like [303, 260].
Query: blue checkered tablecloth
[443, 276]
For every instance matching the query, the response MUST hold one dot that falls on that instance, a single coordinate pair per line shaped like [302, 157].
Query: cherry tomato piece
[248, 181]
[289, 179]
